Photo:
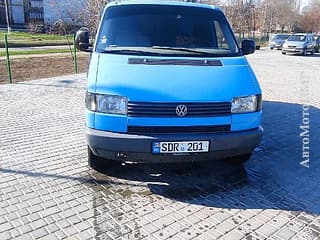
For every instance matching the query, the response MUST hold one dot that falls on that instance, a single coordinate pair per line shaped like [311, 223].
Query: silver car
[277, 40]
[299, 43]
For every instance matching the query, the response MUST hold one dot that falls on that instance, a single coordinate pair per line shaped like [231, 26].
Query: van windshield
[165, 30]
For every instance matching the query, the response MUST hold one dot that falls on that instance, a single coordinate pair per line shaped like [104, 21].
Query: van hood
[191, 80]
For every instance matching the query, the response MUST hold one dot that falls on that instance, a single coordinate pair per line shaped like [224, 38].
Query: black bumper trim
[138, 147]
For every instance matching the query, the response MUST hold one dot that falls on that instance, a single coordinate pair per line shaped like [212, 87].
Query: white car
[299, 43]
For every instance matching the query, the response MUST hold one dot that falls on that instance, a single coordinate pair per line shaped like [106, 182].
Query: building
[40, 12]
[22, 12]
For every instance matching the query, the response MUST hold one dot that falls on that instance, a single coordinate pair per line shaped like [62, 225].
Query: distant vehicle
[299, 43]
[317, 43]
[277, 40]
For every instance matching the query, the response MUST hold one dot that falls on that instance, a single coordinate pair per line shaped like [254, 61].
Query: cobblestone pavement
[48, 192]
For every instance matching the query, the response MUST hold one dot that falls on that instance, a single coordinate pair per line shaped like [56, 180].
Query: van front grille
[179, 129]
[144, 109]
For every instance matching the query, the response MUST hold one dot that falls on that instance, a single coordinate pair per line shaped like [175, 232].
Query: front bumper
[275, 45]
[293, 50]
[137, 148]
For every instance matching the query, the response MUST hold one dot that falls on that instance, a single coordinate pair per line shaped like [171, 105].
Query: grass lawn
[25, 39]
[33, 52]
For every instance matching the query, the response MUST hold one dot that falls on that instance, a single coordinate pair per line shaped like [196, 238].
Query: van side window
[221, 40]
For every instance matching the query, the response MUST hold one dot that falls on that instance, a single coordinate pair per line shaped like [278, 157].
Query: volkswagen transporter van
[168, 82]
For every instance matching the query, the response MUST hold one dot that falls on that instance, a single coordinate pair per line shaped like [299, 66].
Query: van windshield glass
[166, 30]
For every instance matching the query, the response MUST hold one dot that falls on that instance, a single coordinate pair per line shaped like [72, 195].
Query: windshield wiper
[128, 51]
[144, 51]
[180, 49]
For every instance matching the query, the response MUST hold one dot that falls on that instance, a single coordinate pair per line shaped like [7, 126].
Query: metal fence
[38, 56]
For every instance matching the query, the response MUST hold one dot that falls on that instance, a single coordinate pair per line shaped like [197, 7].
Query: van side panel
[93, 72]
[91, 86]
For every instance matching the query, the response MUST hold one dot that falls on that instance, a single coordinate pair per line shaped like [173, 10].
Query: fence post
[75, 60]
[8, 58]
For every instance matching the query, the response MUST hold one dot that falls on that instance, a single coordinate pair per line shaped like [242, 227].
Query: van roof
[159, 2]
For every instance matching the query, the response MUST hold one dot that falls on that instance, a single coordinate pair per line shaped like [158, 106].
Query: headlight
[246, 104]
[106, 103]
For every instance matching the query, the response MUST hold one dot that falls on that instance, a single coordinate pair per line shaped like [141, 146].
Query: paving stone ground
[48, 192]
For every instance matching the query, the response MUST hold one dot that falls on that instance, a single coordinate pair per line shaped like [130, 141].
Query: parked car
[317, 43]
[299, 43]
[277, 40]
[168, 82]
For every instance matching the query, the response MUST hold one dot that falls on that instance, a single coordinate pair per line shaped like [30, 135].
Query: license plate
[180, 147]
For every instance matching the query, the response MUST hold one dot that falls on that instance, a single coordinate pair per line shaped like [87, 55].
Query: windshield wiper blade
[180, 49]
[127, 51]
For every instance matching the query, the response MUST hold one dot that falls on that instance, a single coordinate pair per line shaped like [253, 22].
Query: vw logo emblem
[181, 110]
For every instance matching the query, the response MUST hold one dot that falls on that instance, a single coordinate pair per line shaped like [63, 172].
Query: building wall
[17, 11]
[34, 11]
[2, 13]
[23, 12]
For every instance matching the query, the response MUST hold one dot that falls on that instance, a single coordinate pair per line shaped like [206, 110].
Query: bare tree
[279, 15]
[93, 12]
[241, 14]
[76, 13]
[310, 19]
[246, 16]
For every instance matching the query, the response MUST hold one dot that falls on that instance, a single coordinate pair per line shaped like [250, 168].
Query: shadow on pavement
[58, 84]
[273, 179]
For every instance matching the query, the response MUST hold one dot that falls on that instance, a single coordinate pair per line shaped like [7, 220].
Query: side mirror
[248, 46]
[82, 40]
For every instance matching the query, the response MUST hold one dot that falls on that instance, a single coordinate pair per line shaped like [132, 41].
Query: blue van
[168, 82]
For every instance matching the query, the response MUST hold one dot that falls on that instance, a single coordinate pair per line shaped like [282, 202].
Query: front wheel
[93, 161]
[312, 52]
[284, 53]
[100, 164]
[304, 53]
[239, 159]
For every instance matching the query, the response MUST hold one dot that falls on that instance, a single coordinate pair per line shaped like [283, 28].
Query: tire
[284, 53]
[93, 161]
[239, 159]
[305, 52]
[271, 48]
[100, 164]
[312, 52]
